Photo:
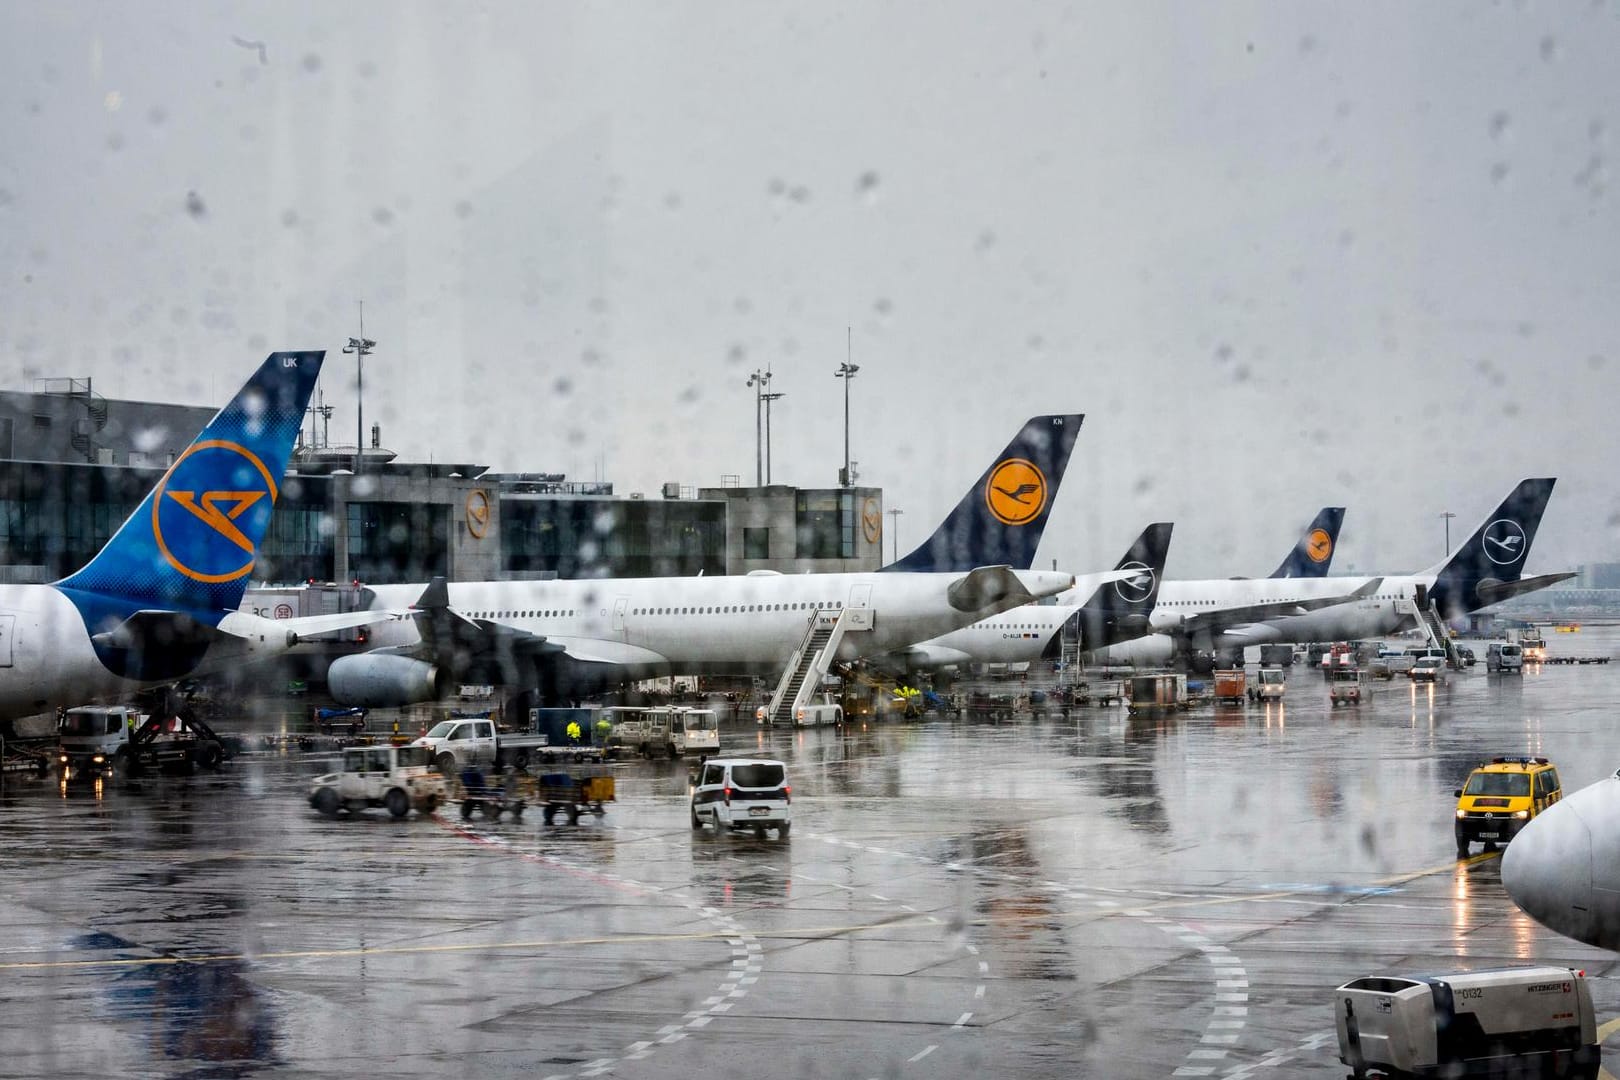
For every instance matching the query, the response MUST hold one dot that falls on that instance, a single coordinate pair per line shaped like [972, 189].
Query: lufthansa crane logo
[478, 513]
[1504, 542]
[871, 520]
[199, 531]
[1319, 546]
[1016, 492]
[1134, 590]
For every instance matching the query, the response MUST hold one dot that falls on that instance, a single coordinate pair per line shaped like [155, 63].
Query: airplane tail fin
[1000, 520]
[1495, 555]
[1119, 611]
[1313, 554]
[190, 544]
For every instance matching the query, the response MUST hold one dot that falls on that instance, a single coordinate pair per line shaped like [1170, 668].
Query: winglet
[1001, 518]
[1495, 555]
[1313, 554]
[190, 545]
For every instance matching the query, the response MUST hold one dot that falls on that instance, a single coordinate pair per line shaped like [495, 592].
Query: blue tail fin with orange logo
[1000, 520]
[190, 544]
[1313, 554]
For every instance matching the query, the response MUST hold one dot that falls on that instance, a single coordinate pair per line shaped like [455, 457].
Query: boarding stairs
[1435, 629]
[801, 679]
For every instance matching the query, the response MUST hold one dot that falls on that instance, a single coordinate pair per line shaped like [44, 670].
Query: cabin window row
[737, 609]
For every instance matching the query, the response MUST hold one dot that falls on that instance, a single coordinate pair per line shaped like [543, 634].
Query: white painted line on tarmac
[961, 1021]
[924, 1052]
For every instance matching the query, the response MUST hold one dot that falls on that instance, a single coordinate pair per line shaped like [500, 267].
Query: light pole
[894, 531]
[846, 371]
[759, 380]
[768, 399]
[361, 347]
[1448, 515]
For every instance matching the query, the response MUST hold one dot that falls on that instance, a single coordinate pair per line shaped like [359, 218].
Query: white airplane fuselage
[733, 624]
[47, 659]
[1377, 615]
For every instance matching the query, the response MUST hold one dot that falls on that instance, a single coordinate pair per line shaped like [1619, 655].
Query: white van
[1507, 658]
[741, 793]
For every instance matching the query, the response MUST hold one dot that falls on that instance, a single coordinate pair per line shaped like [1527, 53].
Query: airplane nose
[1547, 870]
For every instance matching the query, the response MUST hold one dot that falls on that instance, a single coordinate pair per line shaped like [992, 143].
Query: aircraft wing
[1229, 619]
[600, 651]
[1493, 592]
[308, 627]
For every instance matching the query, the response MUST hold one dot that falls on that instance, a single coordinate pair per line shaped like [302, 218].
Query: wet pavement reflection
[1101, 894]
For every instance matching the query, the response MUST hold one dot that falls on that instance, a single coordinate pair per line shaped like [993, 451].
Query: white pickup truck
[398, 778]
[459, 742]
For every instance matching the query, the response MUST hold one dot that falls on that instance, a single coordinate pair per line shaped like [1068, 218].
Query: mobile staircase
[801, 679]
[1434, 628]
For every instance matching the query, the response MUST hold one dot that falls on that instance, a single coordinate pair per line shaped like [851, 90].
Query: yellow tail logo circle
[1015, 492]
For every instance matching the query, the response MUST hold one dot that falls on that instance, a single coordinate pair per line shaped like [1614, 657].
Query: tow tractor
[1270, 684]
[1344, 686]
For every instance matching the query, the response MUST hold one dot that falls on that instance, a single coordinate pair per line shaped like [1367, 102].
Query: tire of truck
[759, 832]
[573, 815]
[327, 802]
[783, 829]
[209, 755]
[549, 814]
[446, 763]
[397, 802]
[645, 751]
[697, 822]
[673, 753]
[520, 758]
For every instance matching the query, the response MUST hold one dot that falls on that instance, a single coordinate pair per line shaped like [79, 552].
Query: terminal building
[74, 465]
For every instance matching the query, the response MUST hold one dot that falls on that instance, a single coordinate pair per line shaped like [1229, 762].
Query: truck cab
[459, 742]
[91, 739]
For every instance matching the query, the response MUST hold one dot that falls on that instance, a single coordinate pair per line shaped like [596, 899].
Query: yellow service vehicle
[1500, 797]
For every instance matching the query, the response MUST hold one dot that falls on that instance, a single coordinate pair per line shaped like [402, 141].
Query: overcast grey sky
[1282, 254]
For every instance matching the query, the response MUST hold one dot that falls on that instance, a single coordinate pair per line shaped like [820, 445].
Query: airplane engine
[384, 680]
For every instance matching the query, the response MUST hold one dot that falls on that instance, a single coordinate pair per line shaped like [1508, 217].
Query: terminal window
[756, 543]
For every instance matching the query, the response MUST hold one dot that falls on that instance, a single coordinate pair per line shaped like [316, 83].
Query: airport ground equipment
[1426, 669]
[743, 793]
[397, 778]
[1501, 797]
[171, 744]
[329, 721]
[811, 662]
[1504, 658]
[478, 796]
[670, 731]
[1231, 686]
[574, 793]
[93, 740]
[992, 706]
[1344, 686]
[1276, 656]
[582, 733]
[1520, 1022]
[1270, 685]
[474, 740]
[1156, 693]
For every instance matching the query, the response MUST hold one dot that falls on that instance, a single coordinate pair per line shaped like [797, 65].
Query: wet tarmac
[1102, 895]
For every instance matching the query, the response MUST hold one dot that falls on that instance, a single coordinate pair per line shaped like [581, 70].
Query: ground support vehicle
[1151, 693]
[1426, 669]
[93, 740]
[743, 793]
[1231, 686]
[670, 731]
[1501, 797]
[333, 721]
[27, 756]
[993, 707]
[174, 744]
[1344, 687]
[1518, 1022]
[1272, 683]
[398, 778]
[1506, 658]
[478, 796]
[573, 794]
[461, 741]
